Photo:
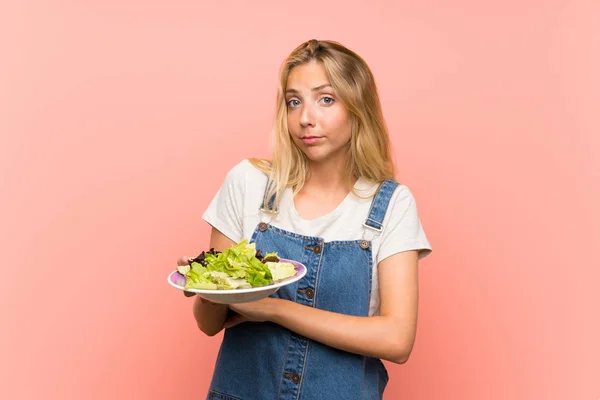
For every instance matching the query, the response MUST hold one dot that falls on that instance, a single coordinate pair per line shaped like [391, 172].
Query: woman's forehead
[310, 76]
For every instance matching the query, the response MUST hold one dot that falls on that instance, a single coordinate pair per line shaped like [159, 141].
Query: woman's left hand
[255, 311]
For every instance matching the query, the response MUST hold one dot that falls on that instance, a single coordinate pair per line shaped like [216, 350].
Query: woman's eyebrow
[315, 89]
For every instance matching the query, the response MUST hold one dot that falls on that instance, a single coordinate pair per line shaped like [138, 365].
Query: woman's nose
[307, 118]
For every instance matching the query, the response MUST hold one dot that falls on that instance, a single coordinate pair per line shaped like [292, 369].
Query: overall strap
[380, 205]
[271, 200]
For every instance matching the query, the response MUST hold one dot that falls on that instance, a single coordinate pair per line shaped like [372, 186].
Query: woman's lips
[311, 139]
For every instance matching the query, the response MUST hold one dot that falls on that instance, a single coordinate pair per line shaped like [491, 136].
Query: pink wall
[114, 119]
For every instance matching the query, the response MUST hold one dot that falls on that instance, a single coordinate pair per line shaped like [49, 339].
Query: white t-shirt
[234, 211]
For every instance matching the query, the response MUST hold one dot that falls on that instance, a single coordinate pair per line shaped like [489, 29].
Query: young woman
[327, 199]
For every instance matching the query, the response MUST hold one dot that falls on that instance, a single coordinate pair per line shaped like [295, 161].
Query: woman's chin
[315, 155]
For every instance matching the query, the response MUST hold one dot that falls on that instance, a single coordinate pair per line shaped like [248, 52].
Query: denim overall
[264, 361]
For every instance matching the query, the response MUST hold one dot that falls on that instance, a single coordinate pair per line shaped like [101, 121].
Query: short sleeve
[225, 211]
[403, 230]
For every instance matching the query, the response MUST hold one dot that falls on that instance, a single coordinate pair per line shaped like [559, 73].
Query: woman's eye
[327, 100]
[293, 103]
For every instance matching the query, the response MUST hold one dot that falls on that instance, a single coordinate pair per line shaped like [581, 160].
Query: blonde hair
[369, 153]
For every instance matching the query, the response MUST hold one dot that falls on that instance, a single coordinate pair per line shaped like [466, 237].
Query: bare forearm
[378, 336]
[210, 317]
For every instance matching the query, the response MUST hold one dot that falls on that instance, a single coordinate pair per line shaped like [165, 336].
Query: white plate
[233, 296]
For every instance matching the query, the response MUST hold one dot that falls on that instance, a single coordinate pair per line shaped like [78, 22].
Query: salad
[238, 267]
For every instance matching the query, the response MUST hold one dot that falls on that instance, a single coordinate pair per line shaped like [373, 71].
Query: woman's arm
[389, 336]
[210, 316]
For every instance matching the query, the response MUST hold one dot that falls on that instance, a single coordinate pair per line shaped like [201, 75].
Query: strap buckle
[372, 227]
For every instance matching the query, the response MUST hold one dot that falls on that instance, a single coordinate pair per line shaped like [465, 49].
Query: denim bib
[264, 361]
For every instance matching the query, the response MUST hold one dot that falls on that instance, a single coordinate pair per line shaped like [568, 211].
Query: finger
[188, 294]
[183, 260]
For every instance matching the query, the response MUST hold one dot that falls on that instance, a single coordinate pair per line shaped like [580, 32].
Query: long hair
[369, 154]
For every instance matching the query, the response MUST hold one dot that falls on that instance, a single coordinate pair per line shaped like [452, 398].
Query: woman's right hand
[185, 260]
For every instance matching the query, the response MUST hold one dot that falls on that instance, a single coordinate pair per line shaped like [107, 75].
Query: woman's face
[317, 121]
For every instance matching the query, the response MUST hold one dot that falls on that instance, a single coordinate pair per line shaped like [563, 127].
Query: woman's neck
[329, 175]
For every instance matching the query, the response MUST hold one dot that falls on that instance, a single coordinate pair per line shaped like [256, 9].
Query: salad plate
[238, 274]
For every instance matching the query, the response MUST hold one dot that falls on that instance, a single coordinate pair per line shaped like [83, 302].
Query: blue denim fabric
[265, 361]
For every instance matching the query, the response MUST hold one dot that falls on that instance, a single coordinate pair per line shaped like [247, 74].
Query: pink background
[119, 119]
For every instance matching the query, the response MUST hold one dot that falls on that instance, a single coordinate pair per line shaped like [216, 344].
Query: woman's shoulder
[402, 198]
[395, 189]
[246, 177]
[246, 169]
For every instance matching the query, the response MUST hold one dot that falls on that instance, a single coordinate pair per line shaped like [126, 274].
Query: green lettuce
[235, 267]
[281, 270]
